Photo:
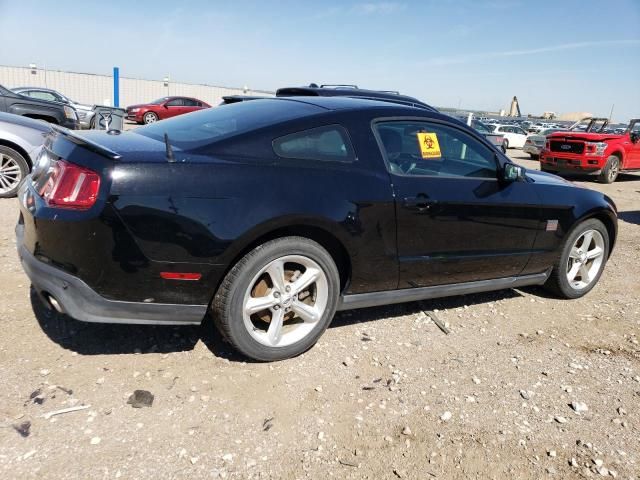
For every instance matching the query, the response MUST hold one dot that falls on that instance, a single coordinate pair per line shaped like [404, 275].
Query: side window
[330, 143]
[42, 95]
[176, 102]
[434, 149]
[189, 102]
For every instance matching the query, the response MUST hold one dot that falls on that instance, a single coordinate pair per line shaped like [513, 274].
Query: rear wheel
[505, 144]
[13, 169]
[278, 299]
[534, 156]
[611, 170]
[582, 260]
[149, 117]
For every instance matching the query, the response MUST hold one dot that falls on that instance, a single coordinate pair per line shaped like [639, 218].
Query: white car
[514, 137]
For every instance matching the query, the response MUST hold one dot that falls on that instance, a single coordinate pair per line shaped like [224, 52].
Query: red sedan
[165, 107]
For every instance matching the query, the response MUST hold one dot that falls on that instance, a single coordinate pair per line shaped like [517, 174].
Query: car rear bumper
[75, 298]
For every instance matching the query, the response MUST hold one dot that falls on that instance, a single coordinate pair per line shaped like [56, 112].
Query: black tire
[558, 282]
[13, 170]
[146, 118]
[611, 170]
[534, 156]
[227, 305]
[505, 144]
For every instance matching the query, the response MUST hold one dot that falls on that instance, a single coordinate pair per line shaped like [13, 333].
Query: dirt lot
[384, 394]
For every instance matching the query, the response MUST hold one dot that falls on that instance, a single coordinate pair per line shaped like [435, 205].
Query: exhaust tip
[54, 303]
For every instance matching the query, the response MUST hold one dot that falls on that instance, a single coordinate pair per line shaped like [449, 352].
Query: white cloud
[474, 57]
[378, 8]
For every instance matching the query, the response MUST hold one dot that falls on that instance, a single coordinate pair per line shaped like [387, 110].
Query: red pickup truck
[593, 152]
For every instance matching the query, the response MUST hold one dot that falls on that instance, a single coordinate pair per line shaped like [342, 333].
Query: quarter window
[329, 143]
[433, 149]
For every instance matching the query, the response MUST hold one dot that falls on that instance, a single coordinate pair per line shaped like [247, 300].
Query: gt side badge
[552, 225]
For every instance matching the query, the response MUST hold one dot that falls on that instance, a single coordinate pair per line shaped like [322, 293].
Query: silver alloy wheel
[150, 118]
[614, 168]
[10, 173]
[285, 301]
[585, 259]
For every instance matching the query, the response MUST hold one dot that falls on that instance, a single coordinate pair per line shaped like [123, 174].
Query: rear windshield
[205, 127]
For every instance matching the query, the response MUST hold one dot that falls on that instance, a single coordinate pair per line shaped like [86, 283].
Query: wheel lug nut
[276, 294]
[276, 307]
[287, 288]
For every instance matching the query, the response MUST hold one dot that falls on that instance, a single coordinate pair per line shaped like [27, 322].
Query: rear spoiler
[86, 143]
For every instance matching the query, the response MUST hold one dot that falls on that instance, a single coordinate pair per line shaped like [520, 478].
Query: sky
[562, 55]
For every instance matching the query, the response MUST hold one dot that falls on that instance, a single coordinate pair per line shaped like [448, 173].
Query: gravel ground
[524, 386]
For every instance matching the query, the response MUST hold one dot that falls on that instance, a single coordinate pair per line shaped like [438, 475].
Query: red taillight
[70, 186]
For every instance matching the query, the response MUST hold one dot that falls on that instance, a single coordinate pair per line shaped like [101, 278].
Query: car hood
[547, 178]
[82, 106]
[587, 137]
[537, 138]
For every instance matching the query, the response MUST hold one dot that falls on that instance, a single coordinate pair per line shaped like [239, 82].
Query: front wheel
[582, 260]
[611, 170]
[13, 169]
[276, 302]
[149, 118]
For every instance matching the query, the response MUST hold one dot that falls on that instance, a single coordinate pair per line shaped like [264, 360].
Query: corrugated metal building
[98, 89]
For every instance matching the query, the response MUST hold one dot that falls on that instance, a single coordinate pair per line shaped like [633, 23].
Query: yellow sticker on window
[429, 146]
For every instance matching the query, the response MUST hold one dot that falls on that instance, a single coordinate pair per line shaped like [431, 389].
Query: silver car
[21, 139]
[535, 142]
[86, 114]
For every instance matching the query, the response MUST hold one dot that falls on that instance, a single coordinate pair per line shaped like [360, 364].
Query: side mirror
[511, 172]
[165, 105]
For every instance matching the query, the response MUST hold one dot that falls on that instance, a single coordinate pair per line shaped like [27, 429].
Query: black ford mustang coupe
[273, 214]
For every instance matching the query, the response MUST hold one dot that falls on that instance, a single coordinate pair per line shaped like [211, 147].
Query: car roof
[345, 103]
[314, 90]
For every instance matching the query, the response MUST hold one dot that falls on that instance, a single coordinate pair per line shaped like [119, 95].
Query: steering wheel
[406, 162]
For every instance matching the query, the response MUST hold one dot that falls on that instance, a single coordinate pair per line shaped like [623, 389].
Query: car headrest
[391, 140]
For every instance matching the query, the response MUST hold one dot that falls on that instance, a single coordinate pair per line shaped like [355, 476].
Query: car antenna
[170, 157]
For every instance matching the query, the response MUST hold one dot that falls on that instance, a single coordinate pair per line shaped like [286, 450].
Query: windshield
[207, 126]
[159, 101]
[480, 127]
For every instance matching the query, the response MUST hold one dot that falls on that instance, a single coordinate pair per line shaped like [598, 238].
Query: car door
[633, 152]
[173, 108]
[190, 105]
[519, 137]
[455, 221]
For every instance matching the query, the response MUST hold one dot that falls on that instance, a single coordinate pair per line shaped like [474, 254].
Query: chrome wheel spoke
[594, 253]
[575, 253]
[306, 312]
[274, 333]
[258, 304]
[584, 273]
[571, 274]
[276, 273]
[586, 242]
[307, 279]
